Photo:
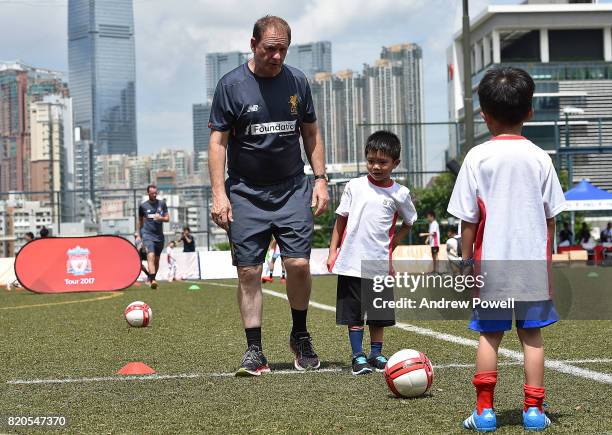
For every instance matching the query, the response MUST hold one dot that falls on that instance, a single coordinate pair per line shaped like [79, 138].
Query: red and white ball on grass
[409, 373]
[138, 314]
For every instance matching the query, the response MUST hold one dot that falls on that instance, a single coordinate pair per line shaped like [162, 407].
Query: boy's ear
[483, 116]
[529, 115]
[396, 163]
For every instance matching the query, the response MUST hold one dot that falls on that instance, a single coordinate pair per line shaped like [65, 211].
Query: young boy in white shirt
[507, 195]
[362, 244]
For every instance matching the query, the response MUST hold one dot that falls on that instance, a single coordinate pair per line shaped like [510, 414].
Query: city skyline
[171, 44]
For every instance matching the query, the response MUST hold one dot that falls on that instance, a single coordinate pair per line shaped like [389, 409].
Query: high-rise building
[219, 64]
[394, 95]
[139, 168]
[177, 161]
[311, 58]
[20, 86]
[19, 216]
[101, 62]
[339, 102]
[47, 151]
[111, 171]
[567, 48]
[201, 132]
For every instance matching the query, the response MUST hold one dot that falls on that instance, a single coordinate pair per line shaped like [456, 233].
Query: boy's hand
[331, 259]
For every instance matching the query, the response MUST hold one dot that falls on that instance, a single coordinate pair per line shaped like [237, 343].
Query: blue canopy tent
[586, 197]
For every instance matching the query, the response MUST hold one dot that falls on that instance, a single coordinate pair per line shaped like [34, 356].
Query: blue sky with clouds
[173, 36]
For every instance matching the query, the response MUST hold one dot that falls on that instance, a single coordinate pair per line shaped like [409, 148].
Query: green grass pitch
[196, 339]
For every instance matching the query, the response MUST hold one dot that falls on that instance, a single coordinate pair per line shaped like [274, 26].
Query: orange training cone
[135, 368]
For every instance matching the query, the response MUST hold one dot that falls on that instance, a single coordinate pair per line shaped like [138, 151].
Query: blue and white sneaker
[378, 362]
[360, 365]
[485, 422]
[535, 420]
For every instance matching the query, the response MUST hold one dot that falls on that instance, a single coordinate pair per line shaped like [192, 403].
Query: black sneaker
[254, 363]
[305, 356]
[378, 362]
[360, 365]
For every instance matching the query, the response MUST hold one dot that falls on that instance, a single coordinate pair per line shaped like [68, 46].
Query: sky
[173, 37]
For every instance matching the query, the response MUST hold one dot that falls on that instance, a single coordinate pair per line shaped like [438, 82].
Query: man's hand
[320, 197]
[221, 211]
[157, 217]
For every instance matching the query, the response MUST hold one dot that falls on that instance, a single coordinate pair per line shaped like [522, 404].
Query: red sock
[485, 386]
[534, 396]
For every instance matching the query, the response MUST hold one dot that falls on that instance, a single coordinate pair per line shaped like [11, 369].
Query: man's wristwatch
[322, 177]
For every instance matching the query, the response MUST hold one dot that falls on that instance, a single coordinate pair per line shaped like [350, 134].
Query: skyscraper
[219, 64]
[394, 95]
[311, 58]
[339, 102]
[102, 73]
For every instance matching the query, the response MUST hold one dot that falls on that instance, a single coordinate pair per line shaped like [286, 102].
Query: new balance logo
[272, 127]
[253, 108]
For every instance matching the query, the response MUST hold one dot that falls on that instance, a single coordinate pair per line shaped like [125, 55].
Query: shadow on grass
[427, 395]
[514, 417]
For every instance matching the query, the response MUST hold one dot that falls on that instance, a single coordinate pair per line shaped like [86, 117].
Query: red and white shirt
[372, 212]
[509, 187]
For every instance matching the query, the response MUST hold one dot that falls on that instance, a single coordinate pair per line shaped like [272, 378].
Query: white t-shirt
[452, 248]
[434, 234]
[170, 253]
[372, 213]
[509, 187]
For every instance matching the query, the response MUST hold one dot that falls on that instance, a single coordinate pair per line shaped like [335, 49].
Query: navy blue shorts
[528, 315]
[153, 246]
[260, 212]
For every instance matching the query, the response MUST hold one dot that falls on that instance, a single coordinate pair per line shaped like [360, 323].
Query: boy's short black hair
[384, 141]
[505, 94]
[431, 213]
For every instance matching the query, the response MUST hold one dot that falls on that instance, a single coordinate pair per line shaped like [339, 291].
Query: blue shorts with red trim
[528, 315]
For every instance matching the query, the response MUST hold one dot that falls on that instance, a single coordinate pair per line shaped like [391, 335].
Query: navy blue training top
[151, 229]
[263, 116]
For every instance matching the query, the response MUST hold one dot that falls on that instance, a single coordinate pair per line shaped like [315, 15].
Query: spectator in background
[565, 235]
[606, 234]
[187, 240]
[28, 237]
[171, 261]
[453, 251]
[44, 232]
[585, 239]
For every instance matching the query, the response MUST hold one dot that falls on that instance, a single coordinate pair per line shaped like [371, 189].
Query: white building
[567, 49]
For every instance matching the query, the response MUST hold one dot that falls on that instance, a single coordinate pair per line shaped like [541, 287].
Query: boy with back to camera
[507, 195]
[364, 230]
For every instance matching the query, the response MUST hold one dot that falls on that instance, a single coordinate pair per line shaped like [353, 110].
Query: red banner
[77, 264]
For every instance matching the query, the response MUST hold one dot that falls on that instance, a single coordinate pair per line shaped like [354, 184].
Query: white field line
[156, 377]
[563, 366]
[559, 366]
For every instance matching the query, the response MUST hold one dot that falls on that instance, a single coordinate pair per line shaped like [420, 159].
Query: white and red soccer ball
[409, 373]
[138, 314]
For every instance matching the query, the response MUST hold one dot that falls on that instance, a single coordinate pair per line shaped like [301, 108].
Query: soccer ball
[409, 373]
[138, 314]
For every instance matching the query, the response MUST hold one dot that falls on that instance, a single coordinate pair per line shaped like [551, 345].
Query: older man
[259, 112]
